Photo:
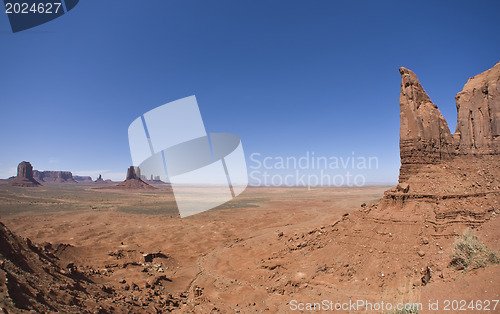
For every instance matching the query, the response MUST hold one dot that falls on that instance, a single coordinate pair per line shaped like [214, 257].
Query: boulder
[403, 187]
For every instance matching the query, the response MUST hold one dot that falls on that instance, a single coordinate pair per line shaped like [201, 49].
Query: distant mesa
[83, 179]
[54, 176]
[24, 176]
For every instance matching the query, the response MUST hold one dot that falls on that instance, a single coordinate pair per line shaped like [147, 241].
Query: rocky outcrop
[54, 176]
[457, 176]
[424, 134]
[32, 279]
[99, 179]
[448, 183]
[24, 176]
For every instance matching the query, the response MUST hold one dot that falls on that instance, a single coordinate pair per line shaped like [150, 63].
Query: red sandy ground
[298, 244]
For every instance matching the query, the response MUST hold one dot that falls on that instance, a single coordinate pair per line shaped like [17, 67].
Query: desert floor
[222, 258]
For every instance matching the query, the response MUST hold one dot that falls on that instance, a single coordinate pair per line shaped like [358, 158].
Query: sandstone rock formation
[424, 135]
[448, 182]
[132, 181]
[478, 120]
[99, 179]
[54, 176]
[132, 173]
[25, 176]
[449, 177]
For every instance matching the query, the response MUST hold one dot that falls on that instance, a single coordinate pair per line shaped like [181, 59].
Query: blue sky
[288, 77]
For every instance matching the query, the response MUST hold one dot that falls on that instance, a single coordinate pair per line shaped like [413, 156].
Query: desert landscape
[108, 248]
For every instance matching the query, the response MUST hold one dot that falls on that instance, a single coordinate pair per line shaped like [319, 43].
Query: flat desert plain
[110, 231]
[257, 253]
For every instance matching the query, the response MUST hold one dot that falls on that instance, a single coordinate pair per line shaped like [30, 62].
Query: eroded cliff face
[450, 180]
[425, 138]
[478, 119]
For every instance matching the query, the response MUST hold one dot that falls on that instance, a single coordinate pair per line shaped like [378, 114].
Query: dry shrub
[403, 311]
[471, 253]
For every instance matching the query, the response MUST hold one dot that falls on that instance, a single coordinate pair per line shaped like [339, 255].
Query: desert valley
[74, 245]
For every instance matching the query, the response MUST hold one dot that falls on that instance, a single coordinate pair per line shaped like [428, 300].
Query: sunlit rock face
[424, 134]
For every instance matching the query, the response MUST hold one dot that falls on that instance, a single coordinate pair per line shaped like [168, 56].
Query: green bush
[471, 253]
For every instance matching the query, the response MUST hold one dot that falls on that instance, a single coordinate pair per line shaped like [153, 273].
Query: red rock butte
[424, 135]
[133, 181]
[24, 176]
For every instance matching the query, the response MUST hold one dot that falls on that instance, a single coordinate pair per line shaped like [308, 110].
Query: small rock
[403, 187]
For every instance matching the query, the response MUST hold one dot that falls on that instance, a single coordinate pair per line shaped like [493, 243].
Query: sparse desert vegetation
[404, 311]
[471, 253]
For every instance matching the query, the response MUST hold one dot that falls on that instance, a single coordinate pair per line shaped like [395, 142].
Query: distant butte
[24, 176]
[133, 182]
[99, 180]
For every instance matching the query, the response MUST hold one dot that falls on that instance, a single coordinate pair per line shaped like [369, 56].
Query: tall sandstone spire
[424, 134]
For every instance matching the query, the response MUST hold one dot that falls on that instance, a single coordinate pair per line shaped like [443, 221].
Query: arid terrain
[257, 253]
[432, 240]
[110, 233]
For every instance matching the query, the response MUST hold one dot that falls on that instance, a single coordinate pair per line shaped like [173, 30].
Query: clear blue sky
[286, 76]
